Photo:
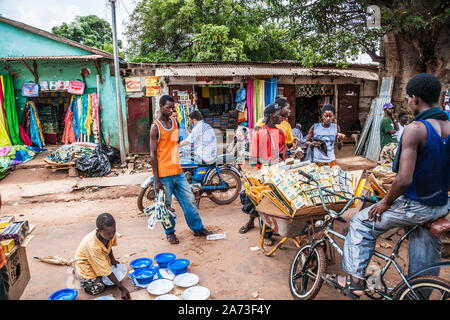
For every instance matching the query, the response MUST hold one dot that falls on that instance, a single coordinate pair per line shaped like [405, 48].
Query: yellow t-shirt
[284, 125]
[92, 257]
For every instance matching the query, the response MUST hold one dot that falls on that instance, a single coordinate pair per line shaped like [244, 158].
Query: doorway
[139, 119]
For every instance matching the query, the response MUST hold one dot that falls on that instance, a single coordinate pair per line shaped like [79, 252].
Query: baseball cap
[388, 105]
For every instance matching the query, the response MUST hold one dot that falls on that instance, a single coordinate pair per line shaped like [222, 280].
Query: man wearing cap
[388, 126]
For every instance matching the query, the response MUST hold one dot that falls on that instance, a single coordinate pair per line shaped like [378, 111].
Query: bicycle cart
[287, 227]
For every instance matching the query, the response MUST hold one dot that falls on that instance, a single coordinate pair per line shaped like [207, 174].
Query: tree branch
[375, 57]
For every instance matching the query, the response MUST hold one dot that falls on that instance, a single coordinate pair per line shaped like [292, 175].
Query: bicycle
[310, 262]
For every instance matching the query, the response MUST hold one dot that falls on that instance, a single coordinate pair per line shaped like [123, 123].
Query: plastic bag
[241, 95]
[96, 165]
[112, 153]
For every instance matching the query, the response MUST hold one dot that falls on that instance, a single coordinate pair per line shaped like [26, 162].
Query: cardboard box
[8, 245]
[18, 272]
[5, 221]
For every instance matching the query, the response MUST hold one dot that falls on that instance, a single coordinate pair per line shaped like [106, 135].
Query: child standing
[323, 136]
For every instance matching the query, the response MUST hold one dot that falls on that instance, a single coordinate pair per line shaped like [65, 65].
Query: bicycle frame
[389, 260]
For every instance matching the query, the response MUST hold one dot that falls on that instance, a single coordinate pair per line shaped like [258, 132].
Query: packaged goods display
[16, 231]
[289, 191]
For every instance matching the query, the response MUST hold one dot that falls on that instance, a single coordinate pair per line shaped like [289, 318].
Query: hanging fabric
[205, 92]
[250, 96]
[4, 132]
[88, 122]
[36, 134]
[24, 136]
[96, 117]
[262, 100]
[75, 125]
[68, 134]
[256, 98]
[271, 90]
[9, 103]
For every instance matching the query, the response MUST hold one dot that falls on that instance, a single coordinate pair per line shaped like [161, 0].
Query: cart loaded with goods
[286, 203]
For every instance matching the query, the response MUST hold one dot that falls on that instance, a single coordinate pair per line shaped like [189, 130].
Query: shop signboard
[133, 84]
[152, 86]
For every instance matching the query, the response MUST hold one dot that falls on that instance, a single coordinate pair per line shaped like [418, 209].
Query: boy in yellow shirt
[94, 257]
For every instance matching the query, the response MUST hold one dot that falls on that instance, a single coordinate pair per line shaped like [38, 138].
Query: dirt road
[228, 267]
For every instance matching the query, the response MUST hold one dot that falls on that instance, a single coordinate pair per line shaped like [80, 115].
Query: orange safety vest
[167, 150]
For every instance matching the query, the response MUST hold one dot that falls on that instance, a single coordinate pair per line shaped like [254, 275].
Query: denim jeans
[424, 247]
[180, 188]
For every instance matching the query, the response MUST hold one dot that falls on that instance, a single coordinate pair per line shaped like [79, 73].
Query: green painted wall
[16, 42]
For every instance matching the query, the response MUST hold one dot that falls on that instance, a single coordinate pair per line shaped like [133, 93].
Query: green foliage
[213, 44]
[88, 30]
[310, 31]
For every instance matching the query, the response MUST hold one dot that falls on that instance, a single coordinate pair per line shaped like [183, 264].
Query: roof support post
[34, 71]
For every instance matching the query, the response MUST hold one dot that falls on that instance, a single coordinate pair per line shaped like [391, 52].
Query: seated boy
[94, 257]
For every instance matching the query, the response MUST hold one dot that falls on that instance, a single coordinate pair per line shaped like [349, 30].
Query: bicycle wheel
[145, 198]
[305, 286]
[426, 288]
[226, 195]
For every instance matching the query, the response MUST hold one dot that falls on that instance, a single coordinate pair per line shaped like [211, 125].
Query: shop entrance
[139, 118]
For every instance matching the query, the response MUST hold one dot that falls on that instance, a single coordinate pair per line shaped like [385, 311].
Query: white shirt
[400, 131]
[204, 140]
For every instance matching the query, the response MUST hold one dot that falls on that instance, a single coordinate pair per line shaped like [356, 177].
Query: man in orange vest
[167, 172]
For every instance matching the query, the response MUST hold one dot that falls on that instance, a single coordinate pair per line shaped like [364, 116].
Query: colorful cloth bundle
[36, 135]
[69, 153]
[12, 155]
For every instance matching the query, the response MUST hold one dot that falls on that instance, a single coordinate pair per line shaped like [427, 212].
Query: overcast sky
[45, 14]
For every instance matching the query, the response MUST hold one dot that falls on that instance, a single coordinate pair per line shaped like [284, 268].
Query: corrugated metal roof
[229, 70]
[82, 57]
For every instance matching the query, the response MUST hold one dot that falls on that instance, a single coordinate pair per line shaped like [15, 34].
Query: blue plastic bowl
[143, 276]
[163, 259]
[141, 263]
[179, 266]
[64, 294]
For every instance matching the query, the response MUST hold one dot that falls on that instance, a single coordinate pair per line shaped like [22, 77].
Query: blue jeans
[180, 188]
[424, 247]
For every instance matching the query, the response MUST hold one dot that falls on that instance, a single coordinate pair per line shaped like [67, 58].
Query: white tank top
[328, 135]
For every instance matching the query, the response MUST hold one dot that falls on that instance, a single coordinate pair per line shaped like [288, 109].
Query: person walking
[267, 146]
[403, 119]
[167, 172]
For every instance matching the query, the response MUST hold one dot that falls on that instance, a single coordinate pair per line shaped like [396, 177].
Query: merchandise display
[284, 186]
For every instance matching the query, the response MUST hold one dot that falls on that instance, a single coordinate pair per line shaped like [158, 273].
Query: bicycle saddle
[439, 227]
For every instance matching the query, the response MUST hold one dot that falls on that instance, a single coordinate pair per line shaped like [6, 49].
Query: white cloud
[45, 14]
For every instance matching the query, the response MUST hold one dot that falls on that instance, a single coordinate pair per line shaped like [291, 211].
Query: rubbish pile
[283, 186]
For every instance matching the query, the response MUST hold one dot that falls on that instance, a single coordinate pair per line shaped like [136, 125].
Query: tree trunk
[409, 54]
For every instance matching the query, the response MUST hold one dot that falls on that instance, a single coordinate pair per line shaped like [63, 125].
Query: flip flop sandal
[349, 286]
[172, 239]
[246, 228]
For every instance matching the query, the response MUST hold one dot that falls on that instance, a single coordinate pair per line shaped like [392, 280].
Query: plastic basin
[143, 276]
[179, 266]
[141, 263]
[163, 259]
